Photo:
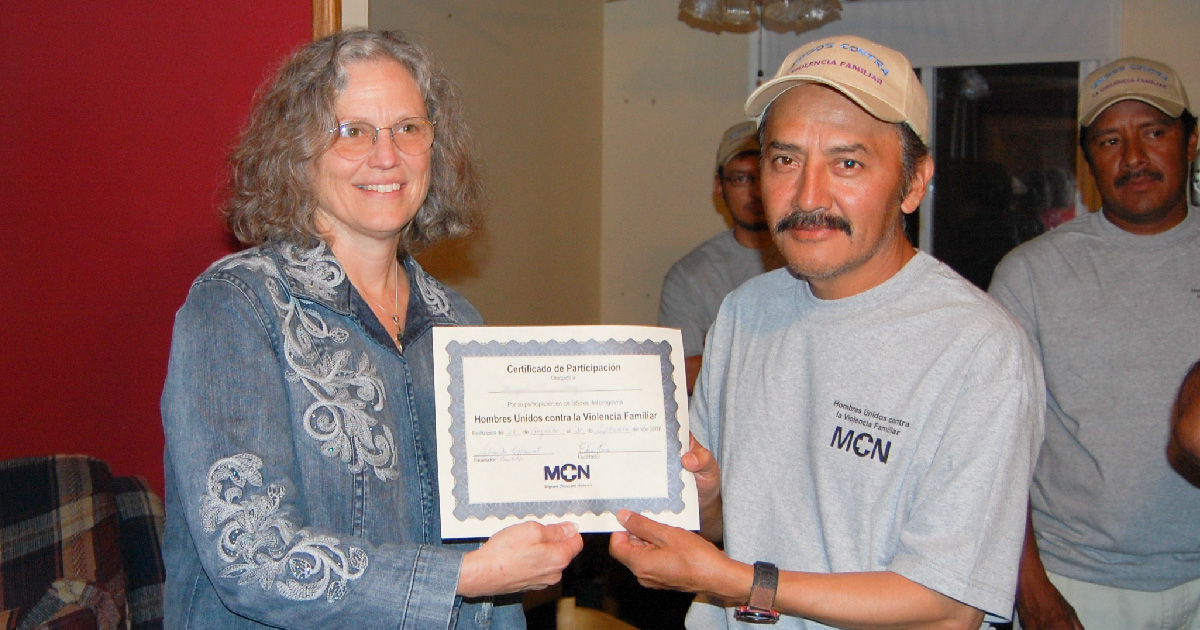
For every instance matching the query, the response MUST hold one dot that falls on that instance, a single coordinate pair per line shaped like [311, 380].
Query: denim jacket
[300, 457]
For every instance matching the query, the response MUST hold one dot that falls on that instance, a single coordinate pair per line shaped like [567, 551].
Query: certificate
[560, 423]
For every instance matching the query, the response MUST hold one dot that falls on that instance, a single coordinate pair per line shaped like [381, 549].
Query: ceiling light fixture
[746, 15]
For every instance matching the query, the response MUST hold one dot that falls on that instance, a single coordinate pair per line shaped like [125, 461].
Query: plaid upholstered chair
[78, 547]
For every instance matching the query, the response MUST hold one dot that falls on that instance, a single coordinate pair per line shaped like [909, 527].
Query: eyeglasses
[412, 136]
[740, 179]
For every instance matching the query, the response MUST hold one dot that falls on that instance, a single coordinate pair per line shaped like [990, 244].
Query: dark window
[1005, 147]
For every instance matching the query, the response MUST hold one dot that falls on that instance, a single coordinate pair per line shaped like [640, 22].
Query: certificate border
[464, 508]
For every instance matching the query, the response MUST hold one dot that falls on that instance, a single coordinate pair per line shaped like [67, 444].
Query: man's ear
[917, 188]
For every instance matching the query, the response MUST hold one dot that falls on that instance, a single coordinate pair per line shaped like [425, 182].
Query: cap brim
[1170, 108]
[769, 91]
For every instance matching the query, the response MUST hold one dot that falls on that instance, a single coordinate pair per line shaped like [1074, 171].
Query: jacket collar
[314, 274]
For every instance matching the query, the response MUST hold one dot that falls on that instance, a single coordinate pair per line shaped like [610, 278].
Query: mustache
[1125, 178]
[817, 219]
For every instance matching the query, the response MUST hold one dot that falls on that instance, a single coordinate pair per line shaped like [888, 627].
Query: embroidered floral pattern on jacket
[261, 546]
[345, 391]
[316, 270]
[432, 293]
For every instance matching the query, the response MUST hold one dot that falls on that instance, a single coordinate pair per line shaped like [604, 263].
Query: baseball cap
[1131, 78]
[877, 78]
[736, 140]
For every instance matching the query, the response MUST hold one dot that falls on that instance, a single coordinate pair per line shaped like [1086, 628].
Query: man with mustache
[866, 421]
[695, 285]
[1111, 300]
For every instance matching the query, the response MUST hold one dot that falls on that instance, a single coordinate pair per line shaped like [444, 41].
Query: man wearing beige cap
[866, 421]
[695, 285]
[1111, 300]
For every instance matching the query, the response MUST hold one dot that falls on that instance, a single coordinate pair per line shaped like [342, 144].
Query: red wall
[115, 117]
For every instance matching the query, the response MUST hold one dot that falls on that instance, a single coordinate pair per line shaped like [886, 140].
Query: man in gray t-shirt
[695, 285]
[866, 421]
[1110, 301]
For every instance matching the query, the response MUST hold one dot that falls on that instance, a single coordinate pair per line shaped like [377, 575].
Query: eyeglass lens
[412, 136]
[741, 179]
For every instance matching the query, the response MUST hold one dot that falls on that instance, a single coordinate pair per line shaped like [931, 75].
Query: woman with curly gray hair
[298, 407]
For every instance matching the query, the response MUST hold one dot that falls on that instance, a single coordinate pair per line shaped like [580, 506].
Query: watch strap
[766, 582]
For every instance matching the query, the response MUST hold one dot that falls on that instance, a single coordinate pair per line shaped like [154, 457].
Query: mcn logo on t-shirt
[861, 443]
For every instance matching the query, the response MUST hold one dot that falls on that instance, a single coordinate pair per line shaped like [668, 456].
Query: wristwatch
[762, 596]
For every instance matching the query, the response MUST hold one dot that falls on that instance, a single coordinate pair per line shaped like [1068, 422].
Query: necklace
[394, 312]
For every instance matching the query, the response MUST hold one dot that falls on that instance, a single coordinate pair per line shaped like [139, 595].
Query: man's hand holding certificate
[560, 423]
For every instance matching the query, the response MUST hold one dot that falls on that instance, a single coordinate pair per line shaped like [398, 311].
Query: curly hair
[271, 195]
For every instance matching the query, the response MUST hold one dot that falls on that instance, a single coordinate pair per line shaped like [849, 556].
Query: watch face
[749, 614]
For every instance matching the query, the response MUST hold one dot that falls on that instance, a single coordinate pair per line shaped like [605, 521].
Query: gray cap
[738, 139]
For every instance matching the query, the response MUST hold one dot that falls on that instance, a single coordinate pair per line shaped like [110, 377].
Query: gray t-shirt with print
[894, 430]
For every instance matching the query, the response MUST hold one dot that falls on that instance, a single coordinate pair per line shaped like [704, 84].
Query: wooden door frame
[327, 17]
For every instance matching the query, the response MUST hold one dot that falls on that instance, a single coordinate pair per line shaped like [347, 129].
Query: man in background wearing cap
[866, 420]
[1111, 300]
[695, 285]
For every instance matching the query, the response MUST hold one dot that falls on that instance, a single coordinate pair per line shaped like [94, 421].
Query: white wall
[355, 14]
[530, 74]
[1169, 31]
[669, 92]
[979, 32]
